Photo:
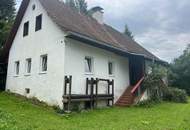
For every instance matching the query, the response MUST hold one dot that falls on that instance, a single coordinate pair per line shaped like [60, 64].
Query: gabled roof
[72, 21]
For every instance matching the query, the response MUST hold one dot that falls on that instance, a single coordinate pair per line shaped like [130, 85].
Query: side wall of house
[75, 53]
[49, 40]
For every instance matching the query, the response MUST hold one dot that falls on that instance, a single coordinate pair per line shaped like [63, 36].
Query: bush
[175, 95]
[148, 103]
[58, 110]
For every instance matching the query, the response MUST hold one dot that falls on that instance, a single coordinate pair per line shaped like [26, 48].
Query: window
[33, 7]
[44, 63]
[28, 65]
[88, 65]
[17, 64]
[38, 22]
[110, 68]
[26, 29]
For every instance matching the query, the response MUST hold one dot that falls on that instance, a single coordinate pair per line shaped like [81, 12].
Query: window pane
[44, 63]
[110, 68]
[38, 22]
[88, 65]
[29, 63]
[26, 29]
[17, 67]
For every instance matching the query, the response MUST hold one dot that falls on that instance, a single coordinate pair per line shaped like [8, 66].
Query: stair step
[126, 99]
[126, 96]
[123, 105]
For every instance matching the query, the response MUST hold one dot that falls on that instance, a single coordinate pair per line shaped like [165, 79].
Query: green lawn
[19, 114]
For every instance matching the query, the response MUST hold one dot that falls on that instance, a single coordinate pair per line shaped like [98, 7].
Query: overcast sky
[161, 26]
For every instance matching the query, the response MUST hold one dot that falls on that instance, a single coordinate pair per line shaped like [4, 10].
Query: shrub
[58, 110]
[148, 103]
[175, 95]
[154, 83]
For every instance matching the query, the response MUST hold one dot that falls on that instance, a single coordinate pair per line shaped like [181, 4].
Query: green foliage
[179, 74]
[19, 114]
[6, 121]
[7, 15]
[58, 110]
[149, 102]
[128, 32]
[7, 10]
[79, 5]
[153, 82]
[175, 95]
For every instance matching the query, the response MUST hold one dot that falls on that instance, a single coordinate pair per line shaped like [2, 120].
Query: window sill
[16, 76]
[27, 75]
[45, 72]
[89, 73]
[111, 75]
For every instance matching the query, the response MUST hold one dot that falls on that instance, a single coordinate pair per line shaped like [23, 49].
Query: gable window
[38, 22]
[28, 65]
[33, 7]
[110, 68]
[26, 29]
[17, 65]
[88, 65]
[44, 59]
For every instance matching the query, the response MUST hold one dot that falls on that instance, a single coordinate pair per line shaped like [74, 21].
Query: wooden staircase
[130, 95]
[126, 99]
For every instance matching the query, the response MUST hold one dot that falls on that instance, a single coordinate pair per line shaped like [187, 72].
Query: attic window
[38, 22]
[17, 64]
[110, 68]
[88, 65]
[26, 29]
[33, 7]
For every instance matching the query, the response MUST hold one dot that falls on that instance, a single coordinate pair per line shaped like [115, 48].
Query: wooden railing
[137, 86]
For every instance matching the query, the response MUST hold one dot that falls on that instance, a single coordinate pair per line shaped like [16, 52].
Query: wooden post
[70, 84]
[91, 93]
[65, 86]
[108, 102]
[108, 87]
[112, 92]
[96, 92]
[87, 83]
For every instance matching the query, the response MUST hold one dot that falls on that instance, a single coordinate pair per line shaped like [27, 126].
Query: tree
[80, 5]
[128, 32]
[179, 75]
[7, 15]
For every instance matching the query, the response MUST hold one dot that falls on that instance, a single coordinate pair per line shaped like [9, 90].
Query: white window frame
[27, 66]
[41, 63]
[91, 72]
[113, 68]
[17, 68]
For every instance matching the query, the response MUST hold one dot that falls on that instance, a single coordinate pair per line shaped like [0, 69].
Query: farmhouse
[63, 57]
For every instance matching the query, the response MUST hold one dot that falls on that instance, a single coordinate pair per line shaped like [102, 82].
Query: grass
[19, 114]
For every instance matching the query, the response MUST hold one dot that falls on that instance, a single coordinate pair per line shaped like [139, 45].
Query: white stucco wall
[64, 58]
[75, 53]
[49, 40]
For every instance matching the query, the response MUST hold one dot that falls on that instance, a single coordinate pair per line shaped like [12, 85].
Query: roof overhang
[105, 46]
[99, 44]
